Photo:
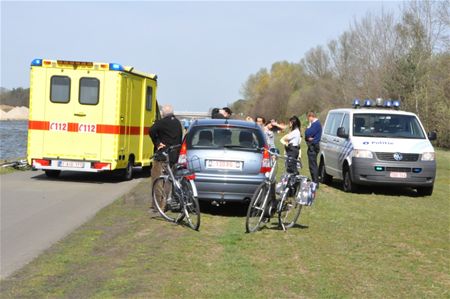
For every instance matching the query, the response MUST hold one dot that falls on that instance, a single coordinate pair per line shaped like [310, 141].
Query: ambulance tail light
[265, 163]
[101, 166]
[116, 67]
[36, 62]
[182, 159]
[40, 162]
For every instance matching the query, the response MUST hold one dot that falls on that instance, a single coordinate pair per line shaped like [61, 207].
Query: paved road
[36, 211]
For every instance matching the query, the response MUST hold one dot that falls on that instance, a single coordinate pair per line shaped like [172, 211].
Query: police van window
[89, 91]
[346, 124]
[387, 125]
[149, 98]
[336, 123]
[329, 124]
[60, 89]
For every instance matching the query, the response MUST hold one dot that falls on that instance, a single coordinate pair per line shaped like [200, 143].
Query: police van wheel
[324, 178]
[347, 183]
[52, 173]
[128, 172]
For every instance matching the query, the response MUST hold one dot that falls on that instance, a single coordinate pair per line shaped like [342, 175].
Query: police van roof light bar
[367, 103]
[396, 104]
[356, 103]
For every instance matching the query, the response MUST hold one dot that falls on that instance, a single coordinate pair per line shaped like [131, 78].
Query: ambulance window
[89, 91]
[149, 98]
[60, 89]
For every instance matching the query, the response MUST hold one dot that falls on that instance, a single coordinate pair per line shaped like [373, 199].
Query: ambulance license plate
[71, 164]
[220, 164]
[399, 175]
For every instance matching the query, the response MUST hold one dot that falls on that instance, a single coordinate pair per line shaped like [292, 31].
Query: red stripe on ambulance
[74, 127]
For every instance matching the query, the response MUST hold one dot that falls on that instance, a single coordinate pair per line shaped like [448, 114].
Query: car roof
[231, 122]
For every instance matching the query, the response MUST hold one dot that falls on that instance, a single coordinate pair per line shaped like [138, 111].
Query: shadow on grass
[106, 177]
[229, 209]
[377, 190]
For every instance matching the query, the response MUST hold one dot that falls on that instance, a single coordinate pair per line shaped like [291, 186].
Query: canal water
[13, 139]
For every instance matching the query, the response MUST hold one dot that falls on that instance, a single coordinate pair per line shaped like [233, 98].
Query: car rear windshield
[213, 137]
[387, 125]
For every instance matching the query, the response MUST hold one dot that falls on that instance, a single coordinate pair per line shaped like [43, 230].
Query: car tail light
[190, 177]
[103, 166]
[182, 159]
[265, 164]
[41, 162]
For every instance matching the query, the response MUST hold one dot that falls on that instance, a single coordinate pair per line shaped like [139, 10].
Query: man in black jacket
[166, 132]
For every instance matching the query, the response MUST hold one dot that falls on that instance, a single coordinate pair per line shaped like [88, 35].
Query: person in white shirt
[291, 142]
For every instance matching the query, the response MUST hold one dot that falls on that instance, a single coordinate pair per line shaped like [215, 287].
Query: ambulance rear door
[74, 111]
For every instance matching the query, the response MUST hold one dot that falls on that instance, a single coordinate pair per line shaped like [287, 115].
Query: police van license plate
[221, 164]
[71, 164]
[399, 175]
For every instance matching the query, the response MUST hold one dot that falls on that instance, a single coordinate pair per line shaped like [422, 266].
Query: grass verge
[377, 244]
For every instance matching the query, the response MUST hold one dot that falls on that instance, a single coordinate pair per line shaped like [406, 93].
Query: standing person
[166, 132]
[226, 112]
[216, 113]
[312, 135]
[291, 142]
[269, 134]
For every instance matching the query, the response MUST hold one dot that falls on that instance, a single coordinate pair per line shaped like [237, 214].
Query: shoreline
[13, 113]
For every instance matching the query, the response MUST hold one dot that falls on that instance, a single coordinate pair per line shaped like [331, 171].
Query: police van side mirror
[432, 136]
[341, 133]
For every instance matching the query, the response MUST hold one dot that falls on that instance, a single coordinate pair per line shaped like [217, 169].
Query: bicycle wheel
[163, 199]
[255, 212]
[288, 210]
[191, 205]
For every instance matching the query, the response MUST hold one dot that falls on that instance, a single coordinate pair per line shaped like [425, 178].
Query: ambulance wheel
[128, 172]
[52, 173]
[347, 183]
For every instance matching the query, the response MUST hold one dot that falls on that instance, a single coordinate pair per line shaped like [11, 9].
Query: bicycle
[294, 190]
[174, 192]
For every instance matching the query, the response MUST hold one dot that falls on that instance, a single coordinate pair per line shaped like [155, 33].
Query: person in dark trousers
[291, 142]
[312, 135]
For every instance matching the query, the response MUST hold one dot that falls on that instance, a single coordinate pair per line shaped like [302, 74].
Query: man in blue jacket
[312, 135]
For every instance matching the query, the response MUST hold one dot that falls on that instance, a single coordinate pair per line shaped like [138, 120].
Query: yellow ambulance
[90, 117]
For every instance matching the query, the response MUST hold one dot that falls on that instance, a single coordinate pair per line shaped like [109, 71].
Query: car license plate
[400, 175]
[221, 164]
[71, 164]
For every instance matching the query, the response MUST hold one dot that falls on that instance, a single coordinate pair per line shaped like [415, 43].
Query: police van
[90, 117]
[375, 143]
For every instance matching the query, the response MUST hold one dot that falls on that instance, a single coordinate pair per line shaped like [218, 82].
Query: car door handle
[80, 114]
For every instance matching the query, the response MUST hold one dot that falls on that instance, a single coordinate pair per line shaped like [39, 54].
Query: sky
[202, 52]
